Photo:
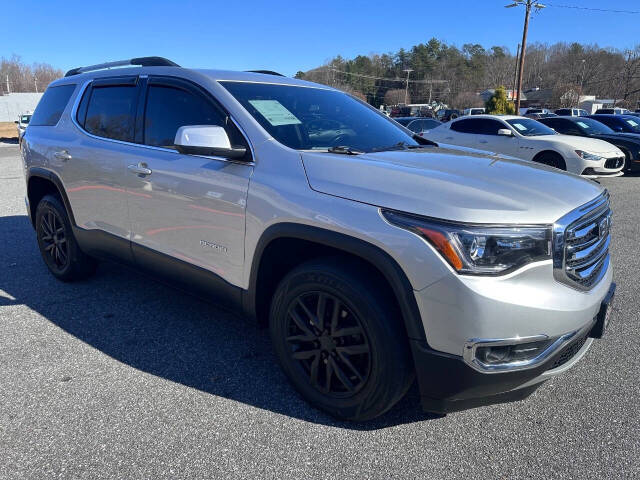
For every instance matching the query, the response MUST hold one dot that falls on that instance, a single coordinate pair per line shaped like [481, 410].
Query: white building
[14, 104]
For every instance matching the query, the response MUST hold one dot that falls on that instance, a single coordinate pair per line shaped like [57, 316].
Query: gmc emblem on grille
[603, 227]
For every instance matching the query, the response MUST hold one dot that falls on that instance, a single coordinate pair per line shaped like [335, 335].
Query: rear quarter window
[51, 105]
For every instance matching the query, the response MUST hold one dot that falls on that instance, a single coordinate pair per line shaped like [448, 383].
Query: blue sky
[286, 36]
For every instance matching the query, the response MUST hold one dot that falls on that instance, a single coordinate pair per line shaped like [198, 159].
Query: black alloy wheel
[57, 244]
[53, 237]
[340, 339]
[327, 341]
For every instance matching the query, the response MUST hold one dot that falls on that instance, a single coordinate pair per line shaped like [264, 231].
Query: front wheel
[340, 340]
[552, 159]
[56, 242]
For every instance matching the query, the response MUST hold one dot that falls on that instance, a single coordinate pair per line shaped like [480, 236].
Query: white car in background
[529, 139]
[22, 122]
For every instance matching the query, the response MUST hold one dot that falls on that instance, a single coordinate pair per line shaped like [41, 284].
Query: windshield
[25, 118]
[530, 128]
[592, 126]
[306, 118]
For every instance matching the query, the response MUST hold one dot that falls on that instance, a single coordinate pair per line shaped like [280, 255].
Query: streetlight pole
[584, 65]
[406, 90]
[528, 4]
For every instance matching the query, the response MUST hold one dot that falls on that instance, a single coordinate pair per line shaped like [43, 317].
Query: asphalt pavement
[123, 377]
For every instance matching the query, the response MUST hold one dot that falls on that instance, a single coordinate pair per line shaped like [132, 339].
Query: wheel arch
[41, 182]
[304, 242]
[538, 155]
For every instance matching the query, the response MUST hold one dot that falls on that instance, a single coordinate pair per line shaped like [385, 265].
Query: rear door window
[465, 126]
[51, 105]
[111, 111]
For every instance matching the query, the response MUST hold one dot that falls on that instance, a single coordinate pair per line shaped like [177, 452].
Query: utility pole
[406, 90]
[35, 82]
[584, 64]
[528, 4]
[515, 72]
[8, 89]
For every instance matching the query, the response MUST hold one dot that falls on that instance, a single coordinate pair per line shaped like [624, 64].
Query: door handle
[62, 155]
[140, 169]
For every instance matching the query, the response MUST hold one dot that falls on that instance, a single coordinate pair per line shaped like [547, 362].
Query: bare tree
[16, 76]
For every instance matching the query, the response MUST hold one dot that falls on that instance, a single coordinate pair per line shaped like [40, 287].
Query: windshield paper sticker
[583, 125]
[633, 123]
[520, 127]
[275, 113]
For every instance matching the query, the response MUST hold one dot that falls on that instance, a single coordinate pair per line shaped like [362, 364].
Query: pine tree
[498, 102]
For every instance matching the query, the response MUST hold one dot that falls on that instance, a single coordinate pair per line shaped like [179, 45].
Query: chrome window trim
[589, 210]
[74, 112]
[470, 347]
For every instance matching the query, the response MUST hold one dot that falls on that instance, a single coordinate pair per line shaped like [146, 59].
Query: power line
[403, 80]
[592, 9]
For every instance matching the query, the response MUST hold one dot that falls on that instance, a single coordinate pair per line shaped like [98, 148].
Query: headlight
[588, 156]
[479, 249]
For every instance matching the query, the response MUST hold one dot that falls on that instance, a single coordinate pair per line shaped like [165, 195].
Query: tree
[467, 100]
[498, 102]
[299, 75]
[25, 78]
[395, 96]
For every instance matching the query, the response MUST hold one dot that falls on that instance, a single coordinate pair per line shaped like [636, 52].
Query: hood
[629, 136]
[451, 185]
[587, 144]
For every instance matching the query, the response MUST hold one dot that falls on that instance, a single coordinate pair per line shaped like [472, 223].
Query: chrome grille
[614, 162]
[581, 244]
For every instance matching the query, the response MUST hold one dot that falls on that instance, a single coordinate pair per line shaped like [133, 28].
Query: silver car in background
[375, 256]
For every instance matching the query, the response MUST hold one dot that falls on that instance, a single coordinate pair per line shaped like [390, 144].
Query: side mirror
[207, 140]
[505, 132]
[16, 121]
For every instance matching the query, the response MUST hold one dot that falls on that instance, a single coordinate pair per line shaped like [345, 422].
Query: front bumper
[458, 309]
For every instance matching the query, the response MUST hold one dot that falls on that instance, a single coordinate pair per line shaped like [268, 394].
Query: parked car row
[600, 151]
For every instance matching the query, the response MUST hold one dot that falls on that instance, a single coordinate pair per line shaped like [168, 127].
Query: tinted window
[479, 126]
[51, 105]
[169, 108]
[111, 112]
[566, 127]
[427, 124]
[415, 126]
[464, 126]
[563, 111]
[490, 127]
[590, 126]
[287, 111]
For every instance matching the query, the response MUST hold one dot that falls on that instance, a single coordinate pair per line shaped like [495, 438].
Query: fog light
[504, 354]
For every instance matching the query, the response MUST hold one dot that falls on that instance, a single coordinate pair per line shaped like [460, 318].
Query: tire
[56, 242]
[360, 345]
[627, 160]
[553, 160]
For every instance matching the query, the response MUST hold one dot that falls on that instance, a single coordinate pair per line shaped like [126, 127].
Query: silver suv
[374, 256]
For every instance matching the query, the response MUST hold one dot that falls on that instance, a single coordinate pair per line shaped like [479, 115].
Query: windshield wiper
[344, 150]
[399, 146]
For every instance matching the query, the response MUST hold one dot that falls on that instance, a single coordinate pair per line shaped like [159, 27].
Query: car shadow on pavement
[165, 332]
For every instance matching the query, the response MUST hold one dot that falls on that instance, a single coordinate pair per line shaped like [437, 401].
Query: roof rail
[142, 61]
[266, 72]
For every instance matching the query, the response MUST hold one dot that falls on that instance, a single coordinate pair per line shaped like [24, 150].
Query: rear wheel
[57, 244]
[552, 159]
[340, 339]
